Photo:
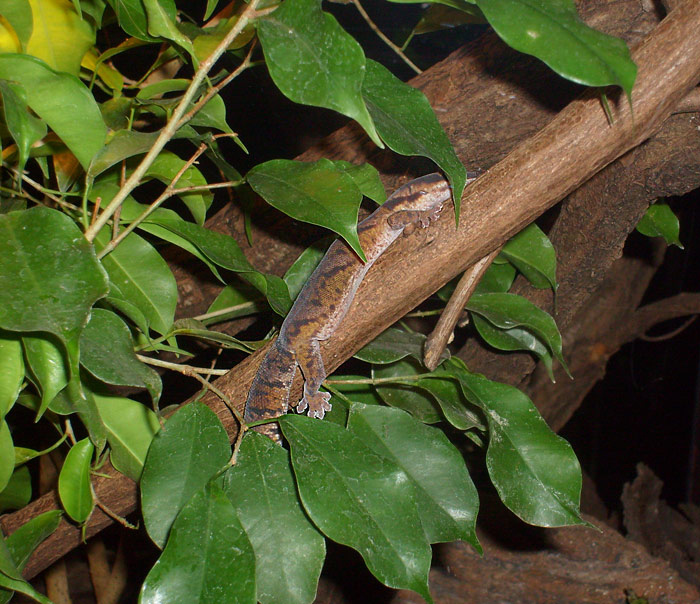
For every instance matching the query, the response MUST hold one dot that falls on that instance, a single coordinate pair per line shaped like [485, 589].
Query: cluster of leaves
[83, 288]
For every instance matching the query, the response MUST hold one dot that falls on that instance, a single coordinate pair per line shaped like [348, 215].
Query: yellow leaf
[107, 74]
[9, 42]
[59, 37]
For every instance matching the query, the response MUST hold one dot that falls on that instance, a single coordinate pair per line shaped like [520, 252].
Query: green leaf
[184, 455]
[18, 491]
[11, 371]
[61, 100]
[660, 221]
[261, 488]
[107, 352]
[406, 122]
[59, 274]
[49, 367]
[535, 472]
[533, 254]
[143, 277]
[208, 557]
[513, 339]
[237, 300]
[19, 15]
[497, 278]
[23, 126]
[445, 494]
[449, 396]
[131, 15]
[124, 144]
[161, 16]
[7, 455]
[225, 252]
[196, 329]
[166, 166]
[366, 178]
[393, 345]
[131, 427]
[300, 271]
[508, 311]
[315, 192]
[11, 579]
[552, 31]
[212, 115]
[419, 404]
[29, 536]
[314, 61]
[74, 481]
[351, 493]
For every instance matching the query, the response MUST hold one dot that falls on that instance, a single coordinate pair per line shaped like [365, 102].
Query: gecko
[325, 299]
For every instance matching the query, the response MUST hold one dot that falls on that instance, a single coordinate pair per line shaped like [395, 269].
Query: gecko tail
[269, 393]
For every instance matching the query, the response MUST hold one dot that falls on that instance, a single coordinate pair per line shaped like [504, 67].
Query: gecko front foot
[317, 404]
[430, 216]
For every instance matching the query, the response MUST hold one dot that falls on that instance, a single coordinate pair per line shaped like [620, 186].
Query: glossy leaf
[552, 31]
[314, 61]
[131, 427]
[144, 278]
[161, 16]
[302, 268]
[74, 481]
[446, 496]
[497, 278]
[394, 344]
[131, 15]
[318, 193]
[235, 300]
[11, 371]
[208, 557]
[535, 472]
[351, 493]
[452, 403]
[7, 454]
[212, 115]
[18, 491]
[61, 100]
[184, 455]
[49, 368]
[225, 252]
[107, 352]
[166, 166]
[11, 578]
[23, 541]
[19, 16]
[407, 124]
[419, 404]
[121, 146]
[660, 221]
[61, 277]
[24, 127]
[533, 254]
[512, 339]
[366, 178]
[196, 329]
[261, 488]
[508, 311]
[59, 37]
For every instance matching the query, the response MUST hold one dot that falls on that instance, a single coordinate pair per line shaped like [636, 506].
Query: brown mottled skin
[326, 298]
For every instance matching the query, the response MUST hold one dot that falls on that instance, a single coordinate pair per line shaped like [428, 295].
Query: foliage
[91, 195]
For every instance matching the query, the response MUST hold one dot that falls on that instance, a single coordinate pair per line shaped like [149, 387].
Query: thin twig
[437, 341]
[164, 196]
[386, 40]
[174, 122]
[184, 369]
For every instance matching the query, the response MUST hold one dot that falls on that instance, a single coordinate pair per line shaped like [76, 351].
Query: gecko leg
[311, 364]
